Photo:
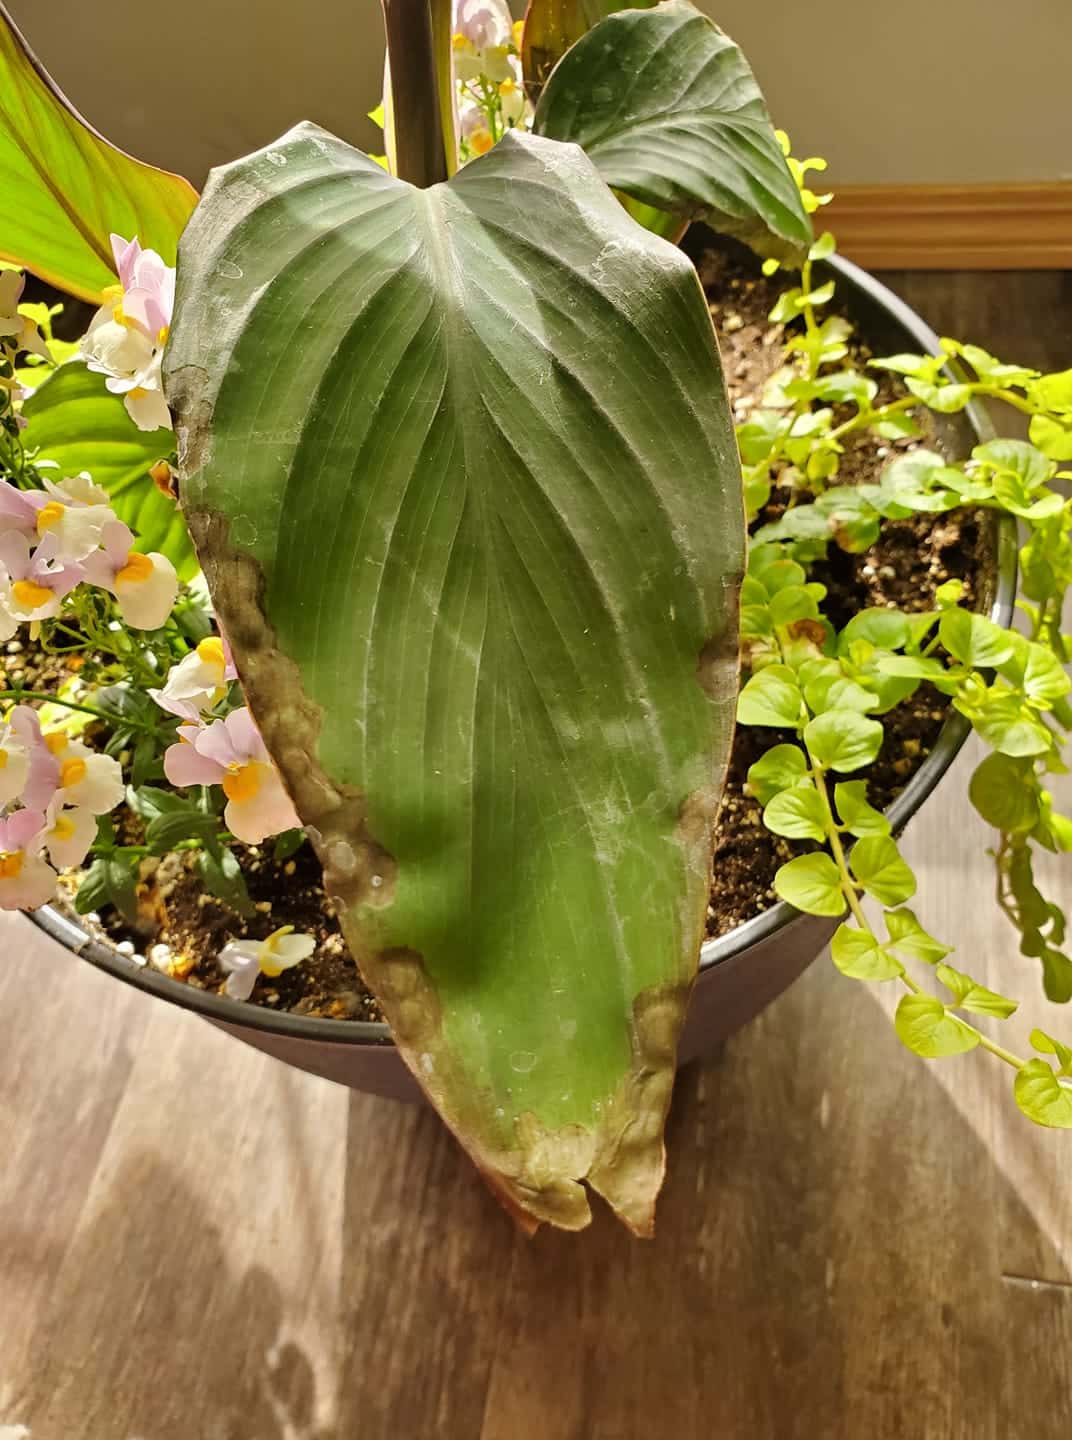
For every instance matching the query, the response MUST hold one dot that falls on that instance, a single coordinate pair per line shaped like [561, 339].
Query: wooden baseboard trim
[954, 227]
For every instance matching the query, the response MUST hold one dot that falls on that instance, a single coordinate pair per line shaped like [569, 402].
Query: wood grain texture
[1001, 226]
[196, 1242]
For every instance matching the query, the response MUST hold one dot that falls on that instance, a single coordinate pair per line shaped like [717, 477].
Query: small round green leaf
[974, 639]
[797, 814]
[858, 954]
[811, 883]
[771, 697]
[876, 862]
[927, 1028]
[1004, 790]
[843, 740]
[908, 935]
[782, 767]
[854, 812]
[1042, 1096]
[970, 995]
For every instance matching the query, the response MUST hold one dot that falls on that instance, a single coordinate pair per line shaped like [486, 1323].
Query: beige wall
[913, 91]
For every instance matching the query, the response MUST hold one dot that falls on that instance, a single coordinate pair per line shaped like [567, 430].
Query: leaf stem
[116, 721]
[420, 151]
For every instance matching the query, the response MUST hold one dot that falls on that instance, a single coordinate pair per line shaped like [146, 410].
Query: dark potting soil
[182, 929]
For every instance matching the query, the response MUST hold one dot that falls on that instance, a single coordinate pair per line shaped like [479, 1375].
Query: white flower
[483, 32]
[66, 772]
[14, 763]
[32, 584]
[68, 834]
[244, 960]
[144, 585]
[19, 329]
[26, 880]
[126, 337]
[198, 681]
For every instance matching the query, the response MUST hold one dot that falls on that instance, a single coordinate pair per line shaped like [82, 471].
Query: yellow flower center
[481, 141]
[72, 771]
[63, 828]
[138, 392]
[519, 31]
[242, 782]
[56, 742]
[162, 334]
[30, 595]
[50, 515]
[10, 864]
[3, 759]
[459, 42]
[210, 650]
[269, 956]
[508, 87]
[137, 569]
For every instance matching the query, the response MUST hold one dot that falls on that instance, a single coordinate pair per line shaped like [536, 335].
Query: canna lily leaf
[459, 467]
[66, 188]
[552, 26]
[669, 110]
[75, 421]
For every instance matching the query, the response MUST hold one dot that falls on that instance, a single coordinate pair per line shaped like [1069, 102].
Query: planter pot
[741, 972]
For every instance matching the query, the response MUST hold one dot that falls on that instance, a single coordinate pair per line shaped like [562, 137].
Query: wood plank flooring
[199, 1244]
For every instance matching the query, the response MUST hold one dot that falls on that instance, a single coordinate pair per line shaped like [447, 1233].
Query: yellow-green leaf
[66, 189]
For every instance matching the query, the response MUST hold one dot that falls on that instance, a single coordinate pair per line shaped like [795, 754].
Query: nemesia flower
[32, 585]
[244, 960]
[14, 762]
[64, 771]
[231, 753]
[126, 337]
[72, 514]
[18, 329]
[473, 126]
[145, 586]
[512, 98]
[26, 880]
[199, 681]
[68, 834]
[483, 32]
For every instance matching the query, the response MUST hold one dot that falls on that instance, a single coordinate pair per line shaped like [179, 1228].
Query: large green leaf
[75, 421]
[552, 26]
[669, 110]
[66, 188]
[459, 467]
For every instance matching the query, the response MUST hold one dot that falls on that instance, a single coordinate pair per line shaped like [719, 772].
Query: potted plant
[448, 434]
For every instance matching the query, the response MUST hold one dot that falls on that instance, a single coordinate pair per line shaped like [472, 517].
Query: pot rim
[64, 929]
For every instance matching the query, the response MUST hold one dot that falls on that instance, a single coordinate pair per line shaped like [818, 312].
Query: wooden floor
[198, 1244]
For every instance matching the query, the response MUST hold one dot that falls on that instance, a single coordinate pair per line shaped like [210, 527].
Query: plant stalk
[420, 152]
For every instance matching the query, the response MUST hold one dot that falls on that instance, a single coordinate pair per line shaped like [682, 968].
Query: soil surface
[183, 928]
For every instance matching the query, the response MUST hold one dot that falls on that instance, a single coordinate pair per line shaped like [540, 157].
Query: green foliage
[669, 110]
[811, 883]
[60, 229]
[930, 1029]
[828, 688]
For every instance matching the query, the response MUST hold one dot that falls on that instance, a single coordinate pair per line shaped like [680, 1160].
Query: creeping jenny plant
[456, 457]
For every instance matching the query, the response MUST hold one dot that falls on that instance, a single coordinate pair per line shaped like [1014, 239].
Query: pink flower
[32, 585]
[231, 753]
[26, 880]
[148, 286]
[144, 585]
[63, 770]
[126, 337]
[73, 514]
